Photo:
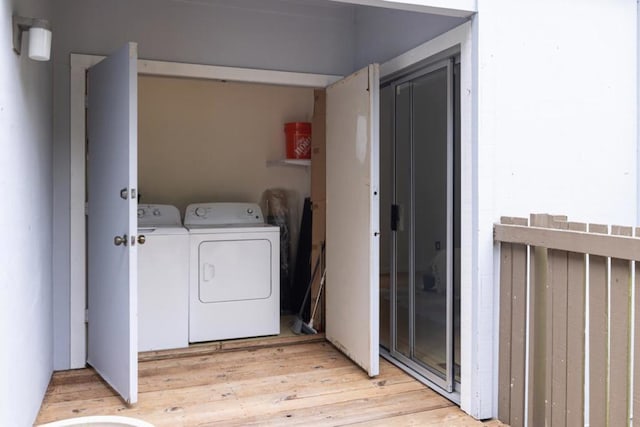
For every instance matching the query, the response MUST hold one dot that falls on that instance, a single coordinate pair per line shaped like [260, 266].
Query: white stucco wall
[556, 130]
[25, 224]
[558, 107]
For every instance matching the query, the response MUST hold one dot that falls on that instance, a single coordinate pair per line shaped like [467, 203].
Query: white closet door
[112, 126]
[352, 247]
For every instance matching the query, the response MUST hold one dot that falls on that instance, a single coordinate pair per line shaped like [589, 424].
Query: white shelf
[289, 162]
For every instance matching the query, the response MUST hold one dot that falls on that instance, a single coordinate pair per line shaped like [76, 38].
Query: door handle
[208, 271]
[142, 239]
[395, 217]
[120, 240]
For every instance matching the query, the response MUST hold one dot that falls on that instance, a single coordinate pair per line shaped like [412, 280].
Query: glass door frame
[448, 383]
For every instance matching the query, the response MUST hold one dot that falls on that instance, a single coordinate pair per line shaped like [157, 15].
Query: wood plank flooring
[303, 384]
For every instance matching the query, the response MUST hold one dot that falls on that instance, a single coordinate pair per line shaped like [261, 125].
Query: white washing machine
[163, 279]
[234, 283]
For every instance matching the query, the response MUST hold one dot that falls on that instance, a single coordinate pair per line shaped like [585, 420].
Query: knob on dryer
[200, 212]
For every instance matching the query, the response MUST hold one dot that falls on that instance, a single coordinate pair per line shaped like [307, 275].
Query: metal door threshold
[453, 396]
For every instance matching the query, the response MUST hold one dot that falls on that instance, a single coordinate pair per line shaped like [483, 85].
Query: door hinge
[86, 315]
[86, 208]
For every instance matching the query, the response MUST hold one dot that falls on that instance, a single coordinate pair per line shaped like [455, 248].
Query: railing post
[504, 352]
[539, 334]
[558, 283]
[513, 306]
[598, 334]
[576, 319]
[620, 337]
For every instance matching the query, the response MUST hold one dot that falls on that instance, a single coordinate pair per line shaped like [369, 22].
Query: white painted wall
[557, 116]
[25, 223]
[557, 107]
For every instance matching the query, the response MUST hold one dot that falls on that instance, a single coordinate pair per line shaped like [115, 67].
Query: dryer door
[234, 270]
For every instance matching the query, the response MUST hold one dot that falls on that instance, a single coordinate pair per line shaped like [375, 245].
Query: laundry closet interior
[383, 182]
[206, 140]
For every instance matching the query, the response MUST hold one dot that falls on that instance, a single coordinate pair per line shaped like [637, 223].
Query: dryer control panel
[158, 216]
[204, 214]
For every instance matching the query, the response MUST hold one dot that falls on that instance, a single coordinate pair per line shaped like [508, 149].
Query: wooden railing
[552, 273]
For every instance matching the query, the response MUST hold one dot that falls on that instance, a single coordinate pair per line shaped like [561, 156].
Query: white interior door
[353, 217]
[112, 112]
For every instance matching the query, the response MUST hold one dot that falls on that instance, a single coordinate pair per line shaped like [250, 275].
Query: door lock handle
[395, 217]
[208, 272]
[120, 240]
[142, 239]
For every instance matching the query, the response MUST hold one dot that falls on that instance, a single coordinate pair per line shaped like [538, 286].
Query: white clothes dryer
[163, 279]
[234, 284]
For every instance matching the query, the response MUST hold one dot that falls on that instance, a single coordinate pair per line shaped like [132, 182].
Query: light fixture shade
[39, 44]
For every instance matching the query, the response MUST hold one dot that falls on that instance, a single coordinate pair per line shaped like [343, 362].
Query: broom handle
[315, 305]
[306, 294]
[322, 279]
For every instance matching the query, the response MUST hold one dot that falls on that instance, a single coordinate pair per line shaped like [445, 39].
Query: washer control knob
[200, 212]
[140, 213]
[156, 212]
[250, 211]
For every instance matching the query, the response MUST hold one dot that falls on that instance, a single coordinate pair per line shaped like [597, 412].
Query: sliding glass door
[423, 316]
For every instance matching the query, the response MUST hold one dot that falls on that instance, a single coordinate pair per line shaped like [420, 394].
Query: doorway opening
[352, 106]
[207, 140]
[420, 256]
[459, 38]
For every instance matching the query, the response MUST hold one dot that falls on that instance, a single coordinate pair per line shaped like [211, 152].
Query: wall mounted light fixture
[39, 37]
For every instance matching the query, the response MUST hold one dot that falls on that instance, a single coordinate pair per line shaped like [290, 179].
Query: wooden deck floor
[302, 384]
